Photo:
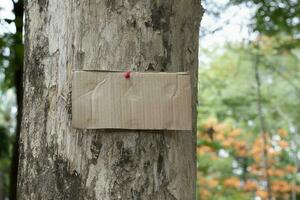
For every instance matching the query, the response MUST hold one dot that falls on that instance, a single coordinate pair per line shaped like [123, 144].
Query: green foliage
[228, 86]
[6, 137]
[277, 17]
[11, 58]
[227, 94]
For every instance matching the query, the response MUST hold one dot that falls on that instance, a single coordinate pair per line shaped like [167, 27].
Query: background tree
[4, 162]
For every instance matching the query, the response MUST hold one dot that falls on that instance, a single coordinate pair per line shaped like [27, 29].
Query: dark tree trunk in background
[59, 162]
[17, 59]
[2, 197]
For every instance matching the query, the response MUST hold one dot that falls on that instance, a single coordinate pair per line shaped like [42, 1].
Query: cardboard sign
[114, 100]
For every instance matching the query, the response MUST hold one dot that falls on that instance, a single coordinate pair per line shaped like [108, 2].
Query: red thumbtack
[127, 74]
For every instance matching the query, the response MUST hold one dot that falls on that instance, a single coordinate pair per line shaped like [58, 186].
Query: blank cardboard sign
[110, 100]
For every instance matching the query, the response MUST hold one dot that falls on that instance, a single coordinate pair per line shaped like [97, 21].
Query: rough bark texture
[59, 162]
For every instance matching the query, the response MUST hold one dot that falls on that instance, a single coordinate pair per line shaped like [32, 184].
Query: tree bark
[59, 162]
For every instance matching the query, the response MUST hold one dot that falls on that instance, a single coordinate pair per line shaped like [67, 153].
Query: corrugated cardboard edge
[122, 71]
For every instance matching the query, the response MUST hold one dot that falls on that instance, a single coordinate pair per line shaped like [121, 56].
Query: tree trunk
[2, 196]
[17, 61]
[59, 162]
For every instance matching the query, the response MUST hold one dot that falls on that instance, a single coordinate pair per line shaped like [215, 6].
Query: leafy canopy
[276, 16]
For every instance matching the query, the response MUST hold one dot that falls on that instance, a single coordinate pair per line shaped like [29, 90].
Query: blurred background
[249, 107]
[249, 99]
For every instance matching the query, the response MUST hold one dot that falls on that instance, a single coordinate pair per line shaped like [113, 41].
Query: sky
[6, 7]
[234, 23]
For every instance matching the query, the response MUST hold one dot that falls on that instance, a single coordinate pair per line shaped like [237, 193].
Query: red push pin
[127, 75]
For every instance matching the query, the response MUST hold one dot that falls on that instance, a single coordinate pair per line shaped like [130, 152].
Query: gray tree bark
[59, 162]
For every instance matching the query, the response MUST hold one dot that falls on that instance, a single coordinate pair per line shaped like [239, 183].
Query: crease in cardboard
[172, 98]
[134, 97]
[94, 91]
[157, 101]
